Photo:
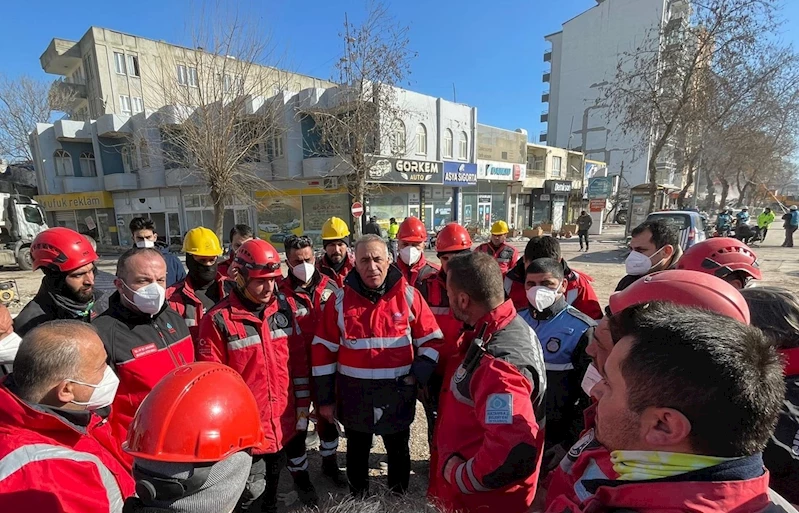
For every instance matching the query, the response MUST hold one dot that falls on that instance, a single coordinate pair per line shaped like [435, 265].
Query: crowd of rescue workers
[191, 392]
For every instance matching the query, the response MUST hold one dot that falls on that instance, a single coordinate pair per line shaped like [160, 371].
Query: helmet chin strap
[241, 283]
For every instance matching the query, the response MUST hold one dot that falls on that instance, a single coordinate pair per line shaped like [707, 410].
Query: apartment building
[553, 185]
[583, 58]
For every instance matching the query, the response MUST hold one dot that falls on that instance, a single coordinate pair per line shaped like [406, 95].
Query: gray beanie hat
[219, 494]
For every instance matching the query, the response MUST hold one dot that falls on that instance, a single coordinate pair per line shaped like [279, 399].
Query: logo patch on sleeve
[499, 409]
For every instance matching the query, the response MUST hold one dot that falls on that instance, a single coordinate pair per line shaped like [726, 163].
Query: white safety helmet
[793, 207]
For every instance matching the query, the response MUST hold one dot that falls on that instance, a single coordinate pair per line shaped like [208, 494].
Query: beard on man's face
[83, 294]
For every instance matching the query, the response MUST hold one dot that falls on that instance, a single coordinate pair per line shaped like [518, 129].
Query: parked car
[689, 223]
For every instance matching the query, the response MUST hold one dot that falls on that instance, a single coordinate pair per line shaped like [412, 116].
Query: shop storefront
[89, 213]
[404, 187]
[557, 192]
[460, 176]
[162, 206]
[494, 198]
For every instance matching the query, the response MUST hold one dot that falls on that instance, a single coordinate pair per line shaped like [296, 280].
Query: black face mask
[201, 275]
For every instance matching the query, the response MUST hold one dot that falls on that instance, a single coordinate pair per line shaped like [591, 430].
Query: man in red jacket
[489, 438]
[505, 254]
[239, 234]
[311, 290]
[57, 452]
[254, 331]
[579, 292]
[376, 341]
[412, 238]
[688, 403]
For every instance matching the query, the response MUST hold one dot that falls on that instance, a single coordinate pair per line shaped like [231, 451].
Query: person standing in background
[393, 229]
[584, 223]
[144, 236]
[791, 223]
[764, 220]
[239, 234]
[372, 227]
[505, 254]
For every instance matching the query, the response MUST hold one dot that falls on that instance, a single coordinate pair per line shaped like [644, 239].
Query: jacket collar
[791, 361]
[517, 274]
[393, 277]
[240, 310]
[493, 321]
[551, 312]
[119, 311]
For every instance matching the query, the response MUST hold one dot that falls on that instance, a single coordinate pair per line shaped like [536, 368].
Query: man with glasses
[204, 286]
[311, 290]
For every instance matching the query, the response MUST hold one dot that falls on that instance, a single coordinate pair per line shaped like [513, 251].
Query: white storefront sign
[500, 171]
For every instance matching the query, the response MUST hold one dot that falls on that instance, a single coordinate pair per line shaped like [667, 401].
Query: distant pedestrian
[791, 223]
[372, 227]
[393, 229]
[764, 220]
[584, 223]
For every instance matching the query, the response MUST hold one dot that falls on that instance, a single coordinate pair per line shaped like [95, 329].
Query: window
[275, 148]
[232, 83]
[144, 153]
[88, 167]
[183, 76]
[557, 162]
[192, 77]
[535, 163]
[119, 63]
[33, 215]
[129, 161]
[504, 155]
[63, 163]
[463, 147]
[398, 139]
[133, 66]
[421, 140]
[138, 105]
[448, 143]
[124, 105]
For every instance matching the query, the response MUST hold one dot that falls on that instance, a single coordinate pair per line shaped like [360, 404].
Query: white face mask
[103, 393]
[541, 297]
[8, 348]
[148, 299]
[303, 272]
[410, 254]
[591, 378]
[145, 244]
[638, 264]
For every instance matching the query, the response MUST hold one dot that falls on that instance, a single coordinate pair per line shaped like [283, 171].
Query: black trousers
[260, 493]
[359, 445]
[328, 445]
[583, 234]
[789, 237]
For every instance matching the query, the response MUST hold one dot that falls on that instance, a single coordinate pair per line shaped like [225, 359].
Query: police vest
[559, 336]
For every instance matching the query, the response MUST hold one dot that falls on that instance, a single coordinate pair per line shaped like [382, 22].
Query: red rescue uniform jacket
[183, 299]
[365, 346]
[49, 464]
[309, 303]
[505, 255]
[266, 349]
[417, 272]
[579, 292]
[223, 269]
[739, 486]
[142, 349]
[434, 291]
[338, 277]
[491, 413]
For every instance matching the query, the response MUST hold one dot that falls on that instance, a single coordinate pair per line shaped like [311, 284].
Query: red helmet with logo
[453, 237]
[687, 288]
[721, 256]
[61, 249]
[412, 230]
[200, 412]
[256, 259]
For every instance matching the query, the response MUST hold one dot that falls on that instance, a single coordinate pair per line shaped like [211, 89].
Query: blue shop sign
[460, 174]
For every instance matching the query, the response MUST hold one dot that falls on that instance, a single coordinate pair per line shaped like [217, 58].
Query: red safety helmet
[200, 412]
[687, 288]
[721, 256]
[453, 237]
[61, 249]
[256, 259]
[412, 230]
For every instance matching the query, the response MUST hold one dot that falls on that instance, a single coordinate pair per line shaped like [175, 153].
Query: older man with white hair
[376, 341]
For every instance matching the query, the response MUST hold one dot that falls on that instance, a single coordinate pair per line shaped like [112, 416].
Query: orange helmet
[201, 412]
[412, 230]
[453, 237]
[61, 249]
[255, 259]
[721, 256]
[687, 288]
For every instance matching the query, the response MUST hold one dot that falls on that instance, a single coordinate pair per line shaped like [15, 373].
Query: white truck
[21, 221]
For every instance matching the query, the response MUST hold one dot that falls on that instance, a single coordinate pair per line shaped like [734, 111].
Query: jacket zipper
[166, 345]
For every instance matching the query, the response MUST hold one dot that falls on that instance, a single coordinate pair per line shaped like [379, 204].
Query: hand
[451, 465]
[327, 411]
[409, 380]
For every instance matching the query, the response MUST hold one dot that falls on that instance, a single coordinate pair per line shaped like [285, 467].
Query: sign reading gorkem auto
[391, 170]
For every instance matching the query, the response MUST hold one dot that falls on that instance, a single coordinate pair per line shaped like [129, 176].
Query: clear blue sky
[490, 49]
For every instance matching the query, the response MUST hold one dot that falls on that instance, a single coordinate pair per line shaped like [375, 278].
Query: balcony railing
[548, 56]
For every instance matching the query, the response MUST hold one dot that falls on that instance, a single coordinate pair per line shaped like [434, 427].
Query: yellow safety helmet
[499, 228]
[335, 228]
[202, 242]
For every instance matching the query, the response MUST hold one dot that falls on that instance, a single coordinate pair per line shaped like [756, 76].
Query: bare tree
[221, 123]
[25, 101]
[357, 123]
[666, 90]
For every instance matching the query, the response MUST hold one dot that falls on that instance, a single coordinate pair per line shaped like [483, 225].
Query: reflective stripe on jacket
[48, 464]
[267, 350]
[362, 348]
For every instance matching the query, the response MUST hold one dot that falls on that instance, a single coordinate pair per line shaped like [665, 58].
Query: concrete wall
[584, 58]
